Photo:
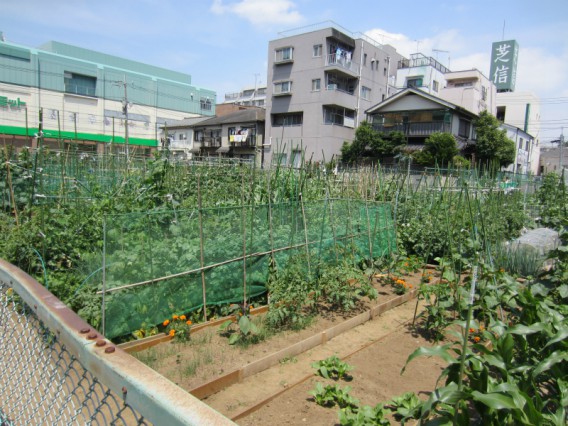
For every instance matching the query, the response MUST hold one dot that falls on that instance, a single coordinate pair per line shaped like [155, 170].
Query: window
[483, 93]
[338, 116]
[365, 59]
[385, 71]
[365, 93]
[79, 84]
[435, 86]
[287, 119]
[414, 82]
[284, 54]
[316, 85]
[521, 143]
[282, 88]
[464, 84]
[317, 50]
[465, 128]
[205, 104]
[501, 113]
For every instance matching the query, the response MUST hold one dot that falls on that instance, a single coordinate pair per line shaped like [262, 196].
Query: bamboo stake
[201, 254]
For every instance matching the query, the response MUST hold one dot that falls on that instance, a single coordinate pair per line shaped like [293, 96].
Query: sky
[223, 44]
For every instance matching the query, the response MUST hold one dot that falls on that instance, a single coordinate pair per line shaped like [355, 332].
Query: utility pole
[125, 111]
[561, 145]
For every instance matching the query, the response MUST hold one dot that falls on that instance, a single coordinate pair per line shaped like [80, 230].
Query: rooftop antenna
[442, 51]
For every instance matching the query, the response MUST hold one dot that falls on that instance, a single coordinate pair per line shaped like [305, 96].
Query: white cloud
[449, 41]
[261, 12]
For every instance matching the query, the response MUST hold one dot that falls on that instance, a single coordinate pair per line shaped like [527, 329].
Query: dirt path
[378, 349]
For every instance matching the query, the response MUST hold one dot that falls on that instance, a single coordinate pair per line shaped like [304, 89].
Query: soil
[378, 350]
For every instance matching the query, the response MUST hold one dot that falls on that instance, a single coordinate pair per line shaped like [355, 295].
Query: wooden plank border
[217, 384]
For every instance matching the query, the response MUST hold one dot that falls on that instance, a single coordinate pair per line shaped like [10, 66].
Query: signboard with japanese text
[503, 72]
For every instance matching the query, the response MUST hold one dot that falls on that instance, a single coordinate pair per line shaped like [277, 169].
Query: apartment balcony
[180, 144]
[210, 141]
[248, 142]
[341, 64]
[414, 129]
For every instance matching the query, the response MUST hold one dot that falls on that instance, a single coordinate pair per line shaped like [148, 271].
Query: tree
[493, 148]
[370, 143]
[439, 148]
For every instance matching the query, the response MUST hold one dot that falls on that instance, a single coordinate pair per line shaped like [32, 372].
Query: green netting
[164, 263]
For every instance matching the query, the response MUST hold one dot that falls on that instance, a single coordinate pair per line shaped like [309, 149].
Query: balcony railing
[414, 129]
[340, 61]
[249, 142]
[210, 141]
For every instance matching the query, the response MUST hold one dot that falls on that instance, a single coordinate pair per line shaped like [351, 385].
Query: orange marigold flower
[182, 318]
[188, 322]
[165, 323]
[481, 328]
[476, 339]
[251, 307]
[175, 317]
[409, 285]
[472, 330]
[172, 333]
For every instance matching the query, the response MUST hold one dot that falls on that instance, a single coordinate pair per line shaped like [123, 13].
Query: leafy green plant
[332, 368]
[332, 395]
[405, 406]
[241, 330]
[364, 416]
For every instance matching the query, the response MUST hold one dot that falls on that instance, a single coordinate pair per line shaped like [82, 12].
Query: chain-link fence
[55, 369]
[164, 263]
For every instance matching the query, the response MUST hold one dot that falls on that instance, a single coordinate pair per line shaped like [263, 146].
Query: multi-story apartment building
[320, 83]
[252, 96]
[87, 97]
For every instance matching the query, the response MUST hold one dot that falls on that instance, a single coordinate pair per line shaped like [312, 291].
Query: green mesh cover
[153, 260]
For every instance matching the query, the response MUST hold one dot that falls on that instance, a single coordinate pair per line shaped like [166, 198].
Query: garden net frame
[157, 264]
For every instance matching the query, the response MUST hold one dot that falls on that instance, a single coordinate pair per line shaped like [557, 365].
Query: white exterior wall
[65, 111]
[470, 97]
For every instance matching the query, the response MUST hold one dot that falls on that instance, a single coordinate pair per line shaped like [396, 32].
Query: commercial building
[320, 82]
[86, 97]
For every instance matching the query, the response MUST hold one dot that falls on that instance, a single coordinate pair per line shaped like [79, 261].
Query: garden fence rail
[56, 369]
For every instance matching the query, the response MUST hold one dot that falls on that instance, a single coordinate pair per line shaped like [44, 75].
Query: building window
[317, 50]
[79, 84]
[283, 88]
[464, 84]
[338, 116]
[205, 104]
[365, 93]
[521, 143]
[435, 86]
[316, 85]
[284, 54]
[464, 129]
[501, 113]
[385, 71]
[483, 93]
[414, 82]
[287, 119]
[365, 59]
